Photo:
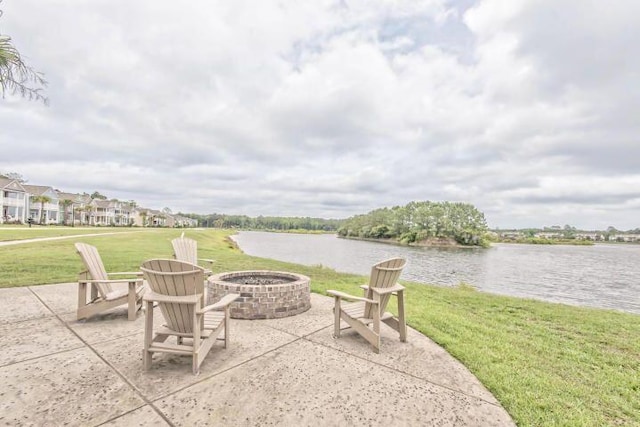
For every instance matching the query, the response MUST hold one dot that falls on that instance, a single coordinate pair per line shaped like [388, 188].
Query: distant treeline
[420, 221]
[414, 223]
[267, 222]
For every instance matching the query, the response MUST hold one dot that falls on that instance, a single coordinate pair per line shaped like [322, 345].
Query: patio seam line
[80, 346]
[113, 368]
[27, 320]
[414, 376]
[315, 332]
[115, 338]
[305, 337]
[299, 336]
[130, 412]
[215, 374]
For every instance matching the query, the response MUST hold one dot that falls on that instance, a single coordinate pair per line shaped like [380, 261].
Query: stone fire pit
[263, 294]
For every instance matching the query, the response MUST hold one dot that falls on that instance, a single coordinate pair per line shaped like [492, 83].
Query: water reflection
[603, 276]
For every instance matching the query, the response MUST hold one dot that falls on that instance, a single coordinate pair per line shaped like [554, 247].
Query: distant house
[143, 217]
[511, 235]
[592, 236]
[39, 212]
[629, 238]
[183, 221]
[71, 206]
[21, 202]
[109, 212]
[172, 220]
[82, 209]
[13, 198]
[547, 235]
[139, 217]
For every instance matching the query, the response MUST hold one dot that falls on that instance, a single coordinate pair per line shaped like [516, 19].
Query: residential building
[13, 198]
[71, 207]
[20, 203]
[593, 236]
[547, 235]
[629, 238]
[182, 221]
[39, 211]
[109, 212]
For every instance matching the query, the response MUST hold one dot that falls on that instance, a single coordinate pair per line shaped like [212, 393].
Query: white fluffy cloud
[526, 108]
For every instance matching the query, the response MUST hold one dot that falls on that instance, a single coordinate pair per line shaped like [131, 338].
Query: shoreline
[436, 243]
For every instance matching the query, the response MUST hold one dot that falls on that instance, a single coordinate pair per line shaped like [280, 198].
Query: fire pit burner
[263, 294]
[252, 279]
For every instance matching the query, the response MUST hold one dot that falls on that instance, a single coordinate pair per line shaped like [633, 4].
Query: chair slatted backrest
[175, 278]
[93, 263]
[383, 275]
[185, 249]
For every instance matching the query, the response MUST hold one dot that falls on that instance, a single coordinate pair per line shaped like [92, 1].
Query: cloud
[527, 109]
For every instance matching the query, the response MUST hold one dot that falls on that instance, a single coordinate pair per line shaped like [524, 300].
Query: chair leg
[148, 336]
[195, 365]
[402, 323]
[132, 301]
[227, 320]
[376, 325]
[82, 299]
[196, 341]
[336, 318]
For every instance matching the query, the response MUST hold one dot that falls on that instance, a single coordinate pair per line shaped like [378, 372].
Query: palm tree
[80, 209]
[15, 75]
[89, 211]
[42, 199]
[65, 204]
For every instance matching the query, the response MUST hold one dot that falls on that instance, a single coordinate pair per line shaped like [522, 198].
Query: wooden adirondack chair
[185, 249]
[178, 288]
[102, 295]
[370, 309]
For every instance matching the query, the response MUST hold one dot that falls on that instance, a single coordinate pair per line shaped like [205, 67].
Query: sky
[527, 109]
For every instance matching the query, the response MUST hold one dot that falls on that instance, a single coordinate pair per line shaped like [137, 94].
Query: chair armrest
[137, 280]
[126, 273]
[184, 299]
[224, 302]
[395, 288]
[339, 294]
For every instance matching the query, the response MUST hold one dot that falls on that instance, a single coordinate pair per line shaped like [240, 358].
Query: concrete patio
[55, 370]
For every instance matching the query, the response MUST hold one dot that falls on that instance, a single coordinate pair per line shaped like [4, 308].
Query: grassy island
[547, 364]
[420, 223]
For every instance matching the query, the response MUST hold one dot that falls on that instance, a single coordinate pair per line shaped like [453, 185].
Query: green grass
[547, 364]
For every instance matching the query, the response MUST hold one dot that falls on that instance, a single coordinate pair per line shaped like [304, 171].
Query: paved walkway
[75, 236]
[55, 370]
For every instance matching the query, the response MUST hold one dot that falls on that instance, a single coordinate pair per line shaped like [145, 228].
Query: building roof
[11, 184]
[69, 196]
[38, 190]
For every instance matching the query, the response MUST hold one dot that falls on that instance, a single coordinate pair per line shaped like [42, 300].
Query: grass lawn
[548, 364]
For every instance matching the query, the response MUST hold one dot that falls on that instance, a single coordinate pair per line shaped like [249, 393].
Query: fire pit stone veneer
[263, 294]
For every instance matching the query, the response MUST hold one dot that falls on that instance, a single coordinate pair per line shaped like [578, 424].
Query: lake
[603, 275]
